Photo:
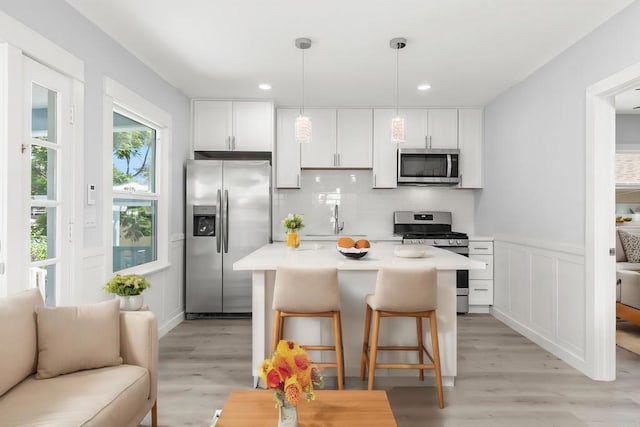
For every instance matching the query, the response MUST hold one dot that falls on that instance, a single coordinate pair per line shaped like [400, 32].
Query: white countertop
[335, 237]
[322, 254]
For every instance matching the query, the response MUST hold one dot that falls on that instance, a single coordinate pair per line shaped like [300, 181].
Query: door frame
[599, 225]
[16, 40]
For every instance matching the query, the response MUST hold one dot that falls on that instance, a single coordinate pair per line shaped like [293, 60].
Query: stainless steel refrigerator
[228, 216]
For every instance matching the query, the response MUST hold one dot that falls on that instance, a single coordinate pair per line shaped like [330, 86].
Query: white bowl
[410, 251]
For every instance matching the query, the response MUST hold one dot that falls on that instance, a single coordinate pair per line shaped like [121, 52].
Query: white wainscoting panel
[93, 278]
[165, 297]
[539, 290]
[543, 293]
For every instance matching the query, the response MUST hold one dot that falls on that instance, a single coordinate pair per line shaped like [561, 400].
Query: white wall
[363, 209]
[102, 56]
[627, 129]
[534, 195]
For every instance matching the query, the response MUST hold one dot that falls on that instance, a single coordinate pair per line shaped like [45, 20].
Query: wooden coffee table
[352, 408]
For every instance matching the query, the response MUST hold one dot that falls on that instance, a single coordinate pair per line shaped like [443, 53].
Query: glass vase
[287, 415]
[293, 240]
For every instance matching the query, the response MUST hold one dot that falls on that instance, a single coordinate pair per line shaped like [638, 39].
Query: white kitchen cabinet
[287, 159]
[354, 142]
[470, 141]
[442, 128]
[481, 281]
[321, 151]
[385, 152]
[340, 138]
[423, 128]
[232, 125]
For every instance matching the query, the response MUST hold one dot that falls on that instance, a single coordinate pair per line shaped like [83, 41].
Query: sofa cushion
[633, 266]
[110, 396]
[18, 352]
[631, 245]
[71, 339]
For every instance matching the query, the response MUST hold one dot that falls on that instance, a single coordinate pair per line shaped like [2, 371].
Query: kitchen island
[356, 279]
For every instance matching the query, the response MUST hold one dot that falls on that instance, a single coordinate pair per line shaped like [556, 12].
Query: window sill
[146, 269]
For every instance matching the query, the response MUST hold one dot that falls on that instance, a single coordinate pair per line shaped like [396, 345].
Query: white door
[47, 187]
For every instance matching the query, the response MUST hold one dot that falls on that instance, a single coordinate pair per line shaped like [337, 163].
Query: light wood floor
[503, 380]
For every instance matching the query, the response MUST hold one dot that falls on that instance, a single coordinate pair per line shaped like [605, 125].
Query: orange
[346, 242]
[363, 243]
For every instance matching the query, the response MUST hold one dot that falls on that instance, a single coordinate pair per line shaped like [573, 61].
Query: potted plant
[128, 289]
[293, 223]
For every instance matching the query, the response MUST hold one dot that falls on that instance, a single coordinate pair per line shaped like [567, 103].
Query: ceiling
[627, 101]
[469, 51]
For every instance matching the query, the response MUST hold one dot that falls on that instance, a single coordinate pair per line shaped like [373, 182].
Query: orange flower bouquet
[291, 374]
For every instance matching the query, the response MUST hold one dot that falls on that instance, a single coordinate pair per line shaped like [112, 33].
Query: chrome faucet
[337, 227]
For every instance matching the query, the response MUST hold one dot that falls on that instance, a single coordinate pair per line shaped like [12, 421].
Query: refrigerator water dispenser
[204, 221]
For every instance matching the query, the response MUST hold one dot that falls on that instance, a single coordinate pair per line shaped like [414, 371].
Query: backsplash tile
[362, 209]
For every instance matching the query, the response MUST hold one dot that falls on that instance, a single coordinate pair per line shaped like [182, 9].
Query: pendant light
[303, 123]
[397, 122]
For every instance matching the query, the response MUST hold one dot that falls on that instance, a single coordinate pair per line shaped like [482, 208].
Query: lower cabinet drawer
[481, 292]
[485, 274]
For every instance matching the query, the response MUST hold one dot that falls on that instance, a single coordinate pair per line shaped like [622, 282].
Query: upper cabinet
[385, 154]
[321, 151]
[340, 138]
[232, 125]
[287, 149]
[354, 144]
[442, 128]
[428, 128]
[470, 125]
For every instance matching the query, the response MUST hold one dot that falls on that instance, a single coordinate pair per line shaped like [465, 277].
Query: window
[137, 187]
[135, 200]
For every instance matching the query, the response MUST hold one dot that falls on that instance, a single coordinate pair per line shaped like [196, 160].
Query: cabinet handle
[233, 143]
[229, 143]
[374, 180]
[298, 179]
[480, 289]
[430, 142]
[338, 159]
[334, 159]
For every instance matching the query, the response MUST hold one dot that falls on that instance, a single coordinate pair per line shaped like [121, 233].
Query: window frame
[119, 99]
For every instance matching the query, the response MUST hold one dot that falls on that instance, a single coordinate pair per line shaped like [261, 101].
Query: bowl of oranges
[353, 248]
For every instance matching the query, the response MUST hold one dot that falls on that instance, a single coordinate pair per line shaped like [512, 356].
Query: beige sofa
[120, 395]
[627, 281]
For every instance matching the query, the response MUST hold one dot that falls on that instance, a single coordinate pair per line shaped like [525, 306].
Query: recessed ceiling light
[424, 87]
[264, 86]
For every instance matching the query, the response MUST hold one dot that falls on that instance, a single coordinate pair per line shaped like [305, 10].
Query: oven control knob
[451, 242]
[435, 242]
[458, 242]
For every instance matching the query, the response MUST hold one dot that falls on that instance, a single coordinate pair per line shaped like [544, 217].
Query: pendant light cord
[397, 78]
[302, 108]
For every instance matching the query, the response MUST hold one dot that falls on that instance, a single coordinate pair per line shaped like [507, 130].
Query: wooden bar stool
[309, 292]
[403, 293]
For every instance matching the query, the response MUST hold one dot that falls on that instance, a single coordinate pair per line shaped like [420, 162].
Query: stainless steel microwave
[421, 166]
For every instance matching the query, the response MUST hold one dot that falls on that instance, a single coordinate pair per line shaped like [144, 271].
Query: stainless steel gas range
[434, 229]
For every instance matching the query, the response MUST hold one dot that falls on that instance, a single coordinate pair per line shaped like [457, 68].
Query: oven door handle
[448, 165]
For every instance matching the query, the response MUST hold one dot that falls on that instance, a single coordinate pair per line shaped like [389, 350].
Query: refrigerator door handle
[226, 221]
[219, 222]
